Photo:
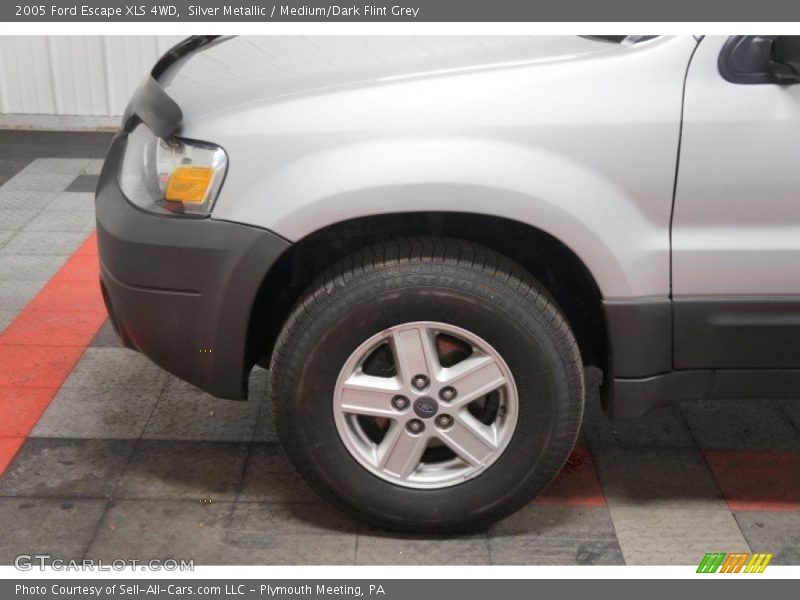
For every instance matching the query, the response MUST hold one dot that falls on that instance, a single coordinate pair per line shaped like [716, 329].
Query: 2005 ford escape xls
[426, 240]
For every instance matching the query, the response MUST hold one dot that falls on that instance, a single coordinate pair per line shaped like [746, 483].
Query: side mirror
[761, 59]
[784, 63]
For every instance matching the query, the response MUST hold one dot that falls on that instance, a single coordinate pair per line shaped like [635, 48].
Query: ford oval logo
[426, 407]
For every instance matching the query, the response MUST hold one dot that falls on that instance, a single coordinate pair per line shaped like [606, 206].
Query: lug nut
[420, 381]
[444, 421]
[415, 426]
[447, 393]
[400, 402]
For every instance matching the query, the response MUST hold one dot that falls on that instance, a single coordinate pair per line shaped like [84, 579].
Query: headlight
[173, 175]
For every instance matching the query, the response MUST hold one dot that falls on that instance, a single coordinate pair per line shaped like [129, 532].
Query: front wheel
[427, 384]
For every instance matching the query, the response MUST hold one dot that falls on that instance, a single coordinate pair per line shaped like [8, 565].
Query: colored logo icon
[737, 562]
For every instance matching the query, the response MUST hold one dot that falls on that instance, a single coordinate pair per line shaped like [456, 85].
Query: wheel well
[546, 258]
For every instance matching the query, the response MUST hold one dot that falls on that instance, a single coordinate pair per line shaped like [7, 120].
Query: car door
[736, 220]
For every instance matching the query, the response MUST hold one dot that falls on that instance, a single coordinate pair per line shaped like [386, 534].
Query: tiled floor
[122, 460]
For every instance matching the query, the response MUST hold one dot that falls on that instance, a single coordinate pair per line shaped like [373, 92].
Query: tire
[457, 287]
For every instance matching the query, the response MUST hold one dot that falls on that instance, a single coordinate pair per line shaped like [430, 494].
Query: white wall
[91, 76]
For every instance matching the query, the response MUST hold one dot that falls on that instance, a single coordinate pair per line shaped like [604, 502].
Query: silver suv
[427, 239]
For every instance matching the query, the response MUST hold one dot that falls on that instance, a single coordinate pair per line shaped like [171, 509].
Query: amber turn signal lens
[189, 184]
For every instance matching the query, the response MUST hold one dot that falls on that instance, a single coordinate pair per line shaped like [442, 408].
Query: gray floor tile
[528, 551]
[46, 174]
[5, 237]
[741, 425]
[662, 428]
[44, 242]
[61, 528]
[792, 410]
[15, 294]
[545, 534]
[56, 143]
[270, 458]
[395, 549]
[14, 219]
[66, 468]
[269, 477]
[10, 199]
[119, 412]
[290, 519]
[187, 470]
[80, 202]
[162, 529]
[657, 477]
[265, 426]
[774, 532]
[29, 268]
[109, 368]
[11, 165]
[34, 150]
[290, 534]
[186, 413]
[106, 337]
[674, 535]
[62, 220]
[69, 166]
[83, 183]
[208, 533]
[94, 167]
[38, 181]
[556, 523]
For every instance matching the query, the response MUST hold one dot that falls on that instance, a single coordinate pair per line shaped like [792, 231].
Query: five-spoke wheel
[439, 409]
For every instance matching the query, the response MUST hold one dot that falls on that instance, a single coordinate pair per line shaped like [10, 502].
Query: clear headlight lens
[171, 175]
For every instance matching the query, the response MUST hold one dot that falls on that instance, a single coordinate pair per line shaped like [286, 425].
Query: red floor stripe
[9, 446]
[39, 349]
[758, 481]
[22, 406]
[577, 484]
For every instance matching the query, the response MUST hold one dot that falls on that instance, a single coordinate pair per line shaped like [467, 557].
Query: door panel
[737, 206]
[736, 226]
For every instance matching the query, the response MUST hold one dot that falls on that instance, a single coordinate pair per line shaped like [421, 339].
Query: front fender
[625, 247]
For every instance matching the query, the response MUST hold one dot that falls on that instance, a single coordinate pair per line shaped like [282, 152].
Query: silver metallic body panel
[576, 137]
[737, 208]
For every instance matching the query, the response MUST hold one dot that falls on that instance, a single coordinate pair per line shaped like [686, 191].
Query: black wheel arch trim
[150, 104]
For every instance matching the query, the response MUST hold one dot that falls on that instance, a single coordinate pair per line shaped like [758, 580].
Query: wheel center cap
[426, 407]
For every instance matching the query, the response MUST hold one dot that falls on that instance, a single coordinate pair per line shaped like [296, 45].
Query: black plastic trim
[639, 336]
[737, 333]
[744, 59]
[151, 105]
[690, 348]
[636, 397]
[179, 50]
[748, 384]
[181, 291]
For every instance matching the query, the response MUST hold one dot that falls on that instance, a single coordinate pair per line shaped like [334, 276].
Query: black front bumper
[181, 290]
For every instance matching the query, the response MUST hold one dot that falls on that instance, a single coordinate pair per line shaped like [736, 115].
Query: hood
[242, 70]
